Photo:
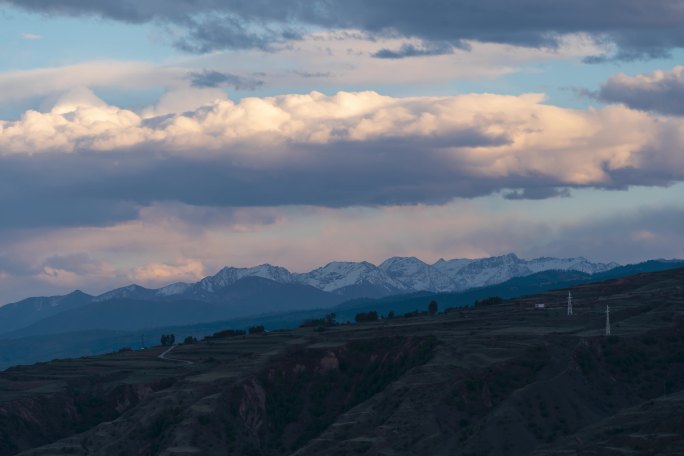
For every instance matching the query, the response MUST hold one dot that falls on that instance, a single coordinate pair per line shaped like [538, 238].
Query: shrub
[364, 317]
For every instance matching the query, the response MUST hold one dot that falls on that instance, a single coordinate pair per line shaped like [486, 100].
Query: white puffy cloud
[493, 137]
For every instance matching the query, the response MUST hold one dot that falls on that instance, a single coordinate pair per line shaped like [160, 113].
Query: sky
[157, 141]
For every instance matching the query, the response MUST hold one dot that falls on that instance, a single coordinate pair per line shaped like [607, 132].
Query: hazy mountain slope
[23, 313]
[248, 296]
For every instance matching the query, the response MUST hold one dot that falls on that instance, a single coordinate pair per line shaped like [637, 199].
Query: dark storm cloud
[79, 189]
[641, 29]
[213, 79]
[49, 192]
[661, 91]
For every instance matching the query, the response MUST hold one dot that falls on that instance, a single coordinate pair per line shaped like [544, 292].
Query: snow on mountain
[173, 289]
[568, 264]
[417, 275]
[451, 267]
[363, 279]
[490, 271]
[228, 276]
[130, 292]
[337, 275]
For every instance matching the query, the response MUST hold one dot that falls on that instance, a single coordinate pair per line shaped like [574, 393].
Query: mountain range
[238, 292]
[363, 279]
[40, 329]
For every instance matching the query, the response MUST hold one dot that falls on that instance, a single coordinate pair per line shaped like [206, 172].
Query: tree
[168, 340]
[259, 329]
[492, 300]
[390, 315]
[432, 307]
[190, 340]
[329, 320]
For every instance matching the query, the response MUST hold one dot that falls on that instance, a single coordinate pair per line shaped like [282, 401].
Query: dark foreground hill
[500, 379]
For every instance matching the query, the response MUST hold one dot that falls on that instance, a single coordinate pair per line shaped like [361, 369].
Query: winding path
[168, 350]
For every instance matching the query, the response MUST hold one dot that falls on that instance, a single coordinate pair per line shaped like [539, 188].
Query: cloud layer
[639, 29]
[87, 162]
[168, 243]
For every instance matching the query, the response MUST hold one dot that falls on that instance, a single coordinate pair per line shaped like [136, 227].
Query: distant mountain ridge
[363, 279]
[393, 276]
[235, 292]
[79, 324]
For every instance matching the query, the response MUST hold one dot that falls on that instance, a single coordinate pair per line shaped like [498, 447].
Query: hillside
[104, 325]
[497, 379]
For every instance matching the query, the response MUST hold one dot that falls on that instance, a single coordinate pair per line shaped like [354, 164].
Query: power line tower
[569, 303]
[607, 321]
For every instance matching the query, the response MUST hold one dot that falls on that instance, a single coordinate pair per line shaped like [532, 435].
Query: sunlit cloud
[185, 270]
[492, 142]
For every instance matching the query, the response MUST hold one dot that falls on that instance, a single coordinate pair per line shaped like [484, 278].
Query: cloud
[53, 82]
[167, 243]
[186, 270]
[339, 59]
[411, 50]
[638, 30]
[659, 91]
[213, 79]
[30, 37]
[89, 163]
[317, 74]
[638, 234]
[537, 193]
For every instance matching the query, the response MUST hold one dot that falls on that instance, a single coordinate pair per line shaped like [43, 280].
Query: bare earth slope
[498, 379]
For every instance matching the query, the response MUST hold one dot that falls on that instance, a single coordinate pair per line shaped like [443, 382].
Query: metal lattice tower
[569, 303]
[607, 321]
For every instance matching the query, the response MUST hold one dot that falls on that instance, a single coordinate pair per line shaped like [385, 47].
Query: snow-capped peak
[575, 264]
[416, 274]
[394, 275]
[130, 291]
[228, 276]
[337, 274]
